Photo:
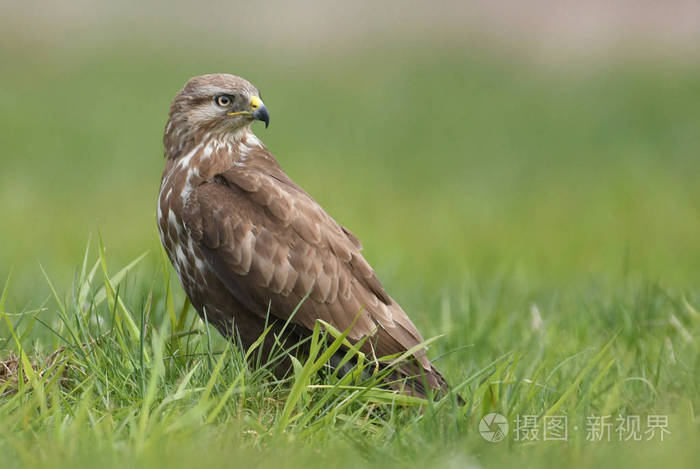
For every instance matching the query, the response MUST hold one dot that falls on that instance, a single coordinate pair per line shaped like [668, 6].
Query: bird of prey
[250, 246]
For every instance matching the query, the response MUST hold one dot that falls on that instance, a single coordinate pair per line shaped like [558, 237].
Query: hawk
[250, 246]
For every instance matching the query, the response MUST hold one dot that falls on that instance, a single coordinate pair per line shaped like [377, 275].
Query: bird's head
[220, 104]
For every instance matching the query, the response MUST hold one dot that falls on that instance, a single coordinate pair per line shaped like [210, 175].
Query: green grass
[138, 379]
[544, 222]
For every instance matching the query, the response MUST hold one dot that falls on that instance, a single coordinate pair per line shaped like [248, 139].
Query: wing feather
[271, 244]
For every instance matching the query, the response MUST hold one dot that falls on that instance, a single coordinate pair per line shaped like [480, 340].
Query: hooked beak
[259, 110]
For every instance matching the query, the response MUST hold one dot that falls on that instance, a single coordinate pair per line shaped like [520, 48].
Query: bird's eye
[223, 100]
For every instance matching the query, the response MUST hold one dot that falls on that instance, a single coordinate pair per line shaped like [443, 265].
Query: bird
[253, 250]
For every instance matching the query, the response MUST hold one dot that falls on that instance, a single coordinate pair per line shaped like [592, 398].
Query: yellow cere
[255, 102]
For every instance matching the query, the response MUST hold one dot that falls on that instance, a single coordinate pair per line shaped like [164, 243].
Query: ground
[542, 221]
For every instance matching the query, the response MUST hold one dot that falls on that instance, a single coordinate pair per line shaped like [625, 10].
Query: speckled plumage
[245, 239]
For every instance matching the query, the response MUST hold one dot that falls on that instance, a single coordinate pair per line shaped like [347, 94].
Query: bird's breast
[176, 187]
[181, 177]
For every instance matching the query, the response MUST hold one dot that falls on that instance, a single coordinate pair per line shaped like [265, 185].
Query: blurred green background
[445, 160]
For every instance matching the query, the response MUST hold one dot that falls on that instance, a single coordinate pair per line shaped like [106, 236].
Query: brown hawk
[249, 245]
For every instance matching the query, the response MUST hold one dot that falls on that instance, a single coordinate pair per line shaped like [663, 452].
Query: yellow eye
[223, 100]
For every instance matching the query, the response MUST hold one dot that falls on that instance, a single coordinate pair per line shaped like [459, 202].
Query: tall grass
[114, 373]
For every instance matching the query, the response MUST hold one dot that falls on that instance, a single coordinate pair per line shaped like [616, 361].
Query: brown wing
[270, 243]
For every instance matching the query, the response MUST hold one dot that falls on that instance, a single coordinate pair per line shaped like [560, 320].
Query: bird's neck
[178, 143]
[238, 144]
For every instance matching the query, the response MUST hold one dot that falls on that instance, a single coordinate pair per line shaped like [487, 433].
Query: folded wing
[271, 244]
